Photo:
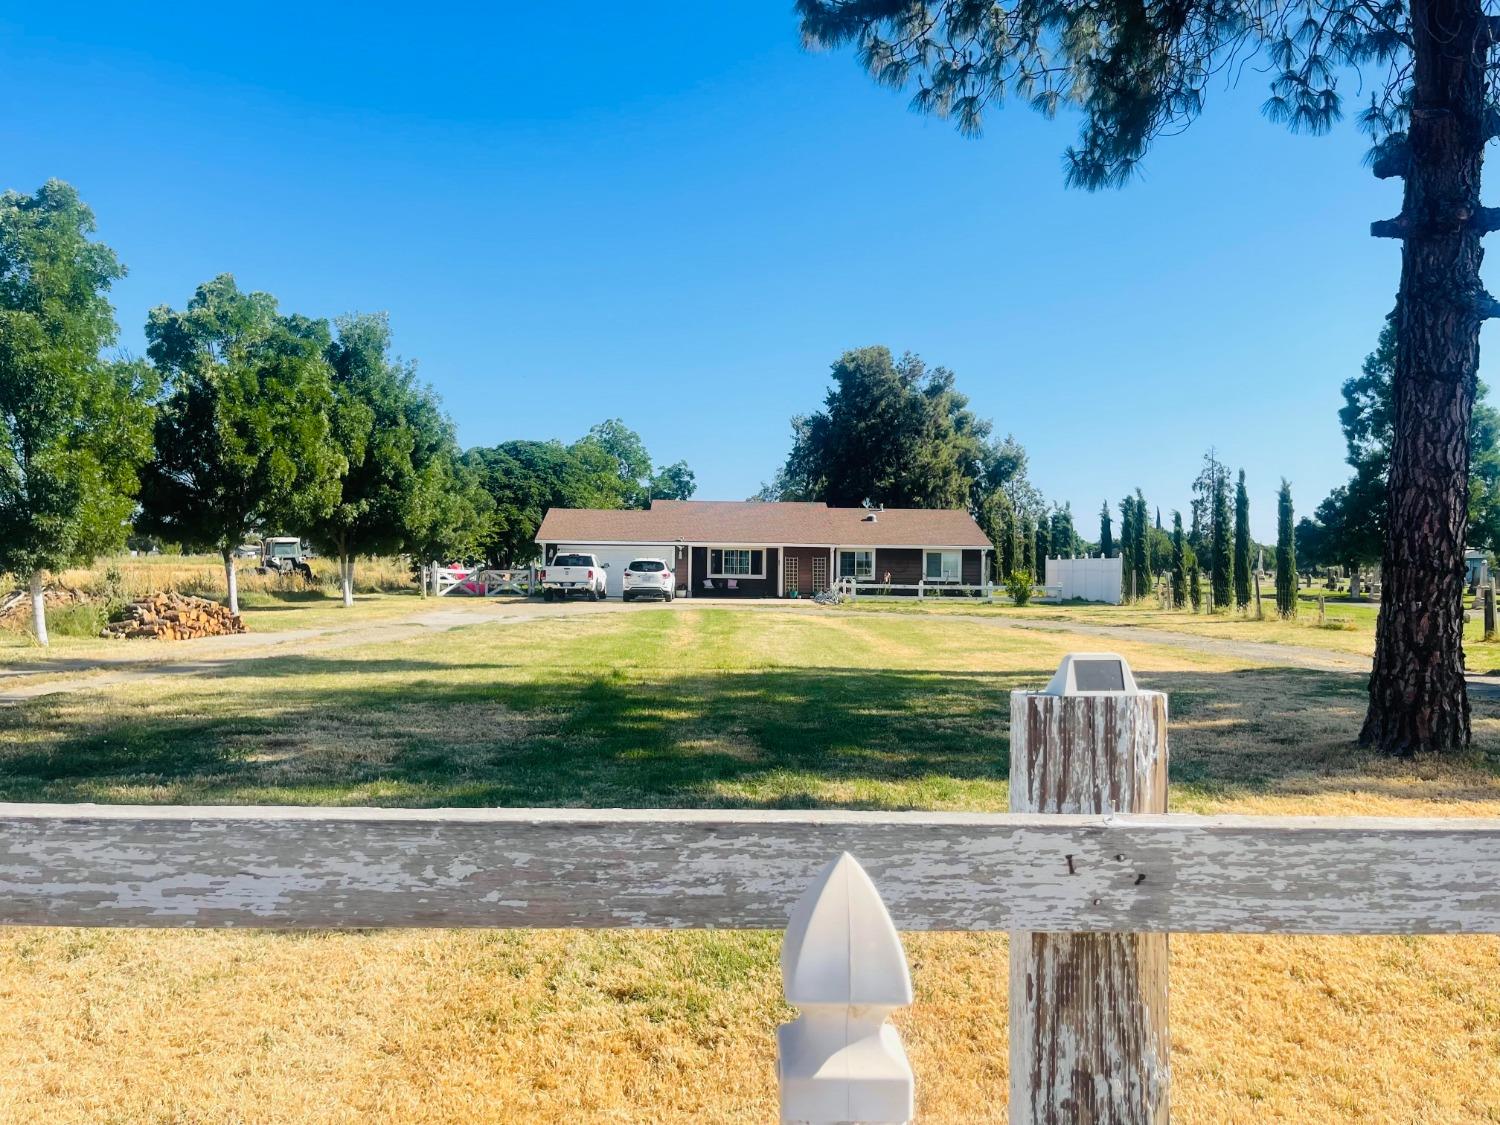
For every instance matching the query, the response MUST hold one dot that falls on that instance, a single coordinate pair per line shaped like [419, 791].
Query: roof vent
[871, 517]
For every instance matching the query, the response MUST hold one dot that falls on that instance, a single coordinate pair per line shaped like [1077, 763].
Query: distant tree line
[1348, 528]
[245, 420]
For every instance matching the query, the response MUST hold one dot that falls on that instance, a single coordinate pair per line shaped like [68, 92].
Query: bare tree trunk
[1418, 699]
[39, 607]
[346, 570]
[231, 582]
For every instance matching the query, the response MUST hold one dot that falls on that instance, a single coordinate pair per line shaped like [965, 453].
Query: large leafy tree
[1138, 71]
[606, 468]
[452, 515]
[894, 432]
[243, 439]
[638, 482]
[74, 427]
[399, 454]
[526, 478]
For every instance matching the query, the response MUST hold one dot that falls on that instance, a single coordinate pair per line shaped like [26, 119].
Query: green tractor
[283, 554]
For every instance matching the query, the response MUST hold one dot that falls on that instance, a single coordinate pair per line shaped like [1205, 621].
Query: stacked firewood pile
[15, 607]
[174, 617]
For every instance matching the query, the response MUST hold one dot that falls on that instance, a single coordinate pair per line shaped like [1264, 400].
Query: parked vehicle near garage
[648, 578]
[572, 574]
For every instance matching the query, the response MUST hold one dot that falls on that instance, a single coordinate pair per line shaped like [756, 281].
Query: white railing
[921, 591]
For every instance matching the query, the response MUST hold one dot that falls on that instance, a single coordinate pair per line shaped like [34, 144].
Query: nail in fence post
[842, 964]
[1088, 1011]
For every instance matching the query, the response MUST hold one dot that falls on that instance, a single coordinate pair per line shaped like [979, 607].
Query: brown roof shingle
[755, 522]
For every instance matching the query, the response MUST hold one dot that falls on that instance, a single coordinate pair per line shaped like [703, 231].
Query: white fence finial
[842, 964]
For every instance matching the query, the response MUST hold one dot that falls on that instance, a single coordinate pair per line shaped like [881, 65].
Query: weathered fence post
[842, 964]
[1088, 1011]
[1489, 611]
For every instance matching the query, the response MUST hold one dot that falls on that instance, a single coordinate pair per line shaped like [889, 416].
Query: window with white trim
[859, 565]
[943, 566]
[736, 562]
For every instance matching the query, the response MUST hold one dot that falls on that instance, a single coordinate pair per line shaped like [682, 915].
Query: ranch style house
[748, 548]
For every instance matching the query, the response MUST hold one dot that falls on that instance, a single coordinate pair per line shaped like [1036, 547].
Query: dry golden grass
[136, 576]
[708, 707]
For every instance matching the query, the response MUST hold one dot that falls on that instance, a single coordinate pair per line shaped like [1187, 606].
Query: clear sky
[672, 214]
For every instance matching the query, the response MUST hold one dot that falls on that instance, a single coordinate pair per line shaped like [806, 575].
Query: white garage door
[619, 557]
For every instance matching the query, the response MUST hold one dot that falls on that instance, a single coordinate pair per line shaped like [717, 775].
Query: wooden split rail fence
[1089, 876]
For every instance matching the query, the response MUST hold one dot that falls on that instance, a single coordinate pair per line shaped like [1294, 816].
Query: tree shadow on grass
[423, 733]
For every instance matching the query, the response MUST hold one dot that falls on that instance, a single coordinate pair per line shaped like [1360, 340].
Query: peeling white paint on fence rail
[294, 868]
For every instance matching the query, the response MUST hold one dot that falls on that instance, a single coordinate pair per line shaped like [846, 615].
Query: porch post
[781, 571]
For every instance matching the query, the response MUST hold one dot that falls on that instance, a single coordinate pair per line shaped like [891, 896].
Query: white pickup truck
[572, 574]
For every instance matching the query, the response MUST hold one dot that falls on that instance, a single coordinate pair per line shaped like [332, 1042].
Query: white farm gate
[471, 582]
[1088, 873]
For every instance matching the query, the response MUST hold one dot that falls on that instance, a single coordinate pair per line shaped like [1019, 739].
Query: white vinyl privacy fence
[1092, 580]
[1088, 873]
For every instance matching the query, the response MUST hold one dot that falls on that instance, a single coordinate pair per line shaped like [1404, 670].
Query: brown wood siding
[904, 565]
[744, 587]
[805, 557]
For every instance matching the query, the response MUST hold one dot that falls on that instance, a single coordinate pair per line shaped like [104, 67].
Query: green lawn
[1345, 627]
[693, 707]
[688, 707]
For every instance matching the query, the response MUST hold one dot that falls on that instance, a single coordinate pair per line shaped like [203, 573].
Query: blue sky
[675, 215]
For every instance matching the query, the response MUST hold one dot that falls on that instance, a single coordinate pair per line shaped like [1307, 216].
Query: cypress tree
[1195, 585]
[1028, 545]
[1286, 554]
[1220, 561]
[1017, 548]
[1127, 548]
[1139, 547]
[1042, 546]
[1242, 545]
[1106, 533]
[1005, 549]
[1179, 563]
[1062, 531]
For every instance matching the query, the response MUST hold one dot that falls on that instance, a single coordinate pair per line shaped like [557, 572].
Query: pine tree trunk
[39, 608]
[231, 582]
[1418, 699]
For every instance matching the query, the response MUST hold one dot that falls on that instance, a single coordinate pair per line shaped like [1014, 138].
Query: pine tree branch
[1393, 157]
[1485, 220]
[1485, 306]
[1482, 220]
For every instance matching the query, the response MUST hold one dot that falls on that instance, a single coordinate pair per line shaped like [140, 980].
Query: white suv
[648, 578]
